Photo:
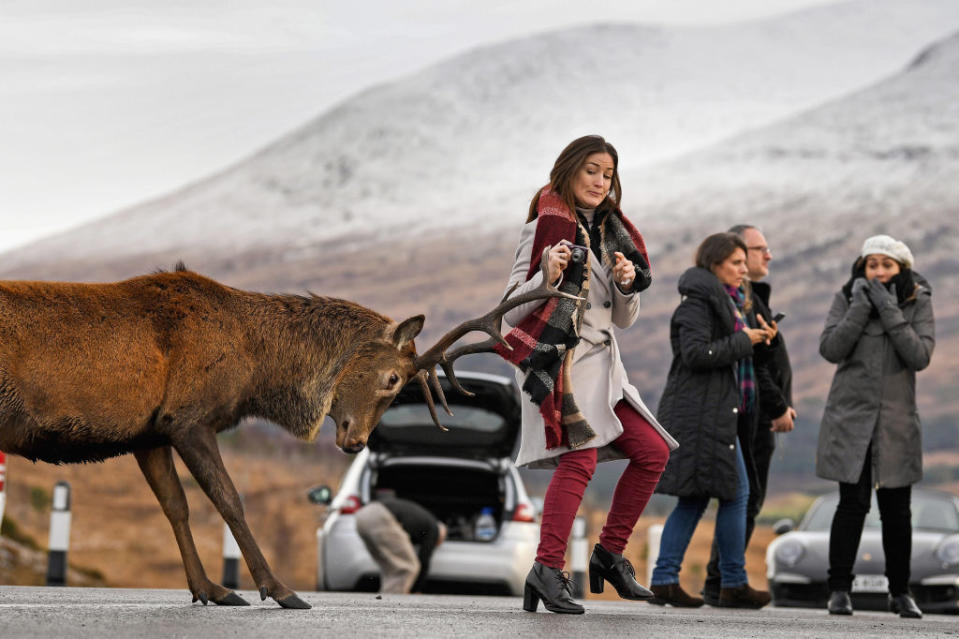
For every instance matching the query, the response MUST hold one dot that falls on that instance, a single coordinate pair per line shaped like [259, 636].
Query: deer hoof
[203, 598]
[293, 602]
[231, 599]
[263, 593]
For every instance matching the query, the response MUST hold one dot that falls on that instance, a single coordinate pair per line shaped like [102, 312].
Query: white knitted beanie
[885, 245]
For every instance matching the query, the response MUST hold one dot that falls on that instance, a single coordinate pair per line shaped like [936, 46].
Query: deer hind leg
[157, 467]
[199, 451]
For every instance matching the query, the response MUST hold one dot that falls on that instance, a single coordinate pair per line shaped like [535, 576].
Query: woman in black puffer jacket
[710, 406]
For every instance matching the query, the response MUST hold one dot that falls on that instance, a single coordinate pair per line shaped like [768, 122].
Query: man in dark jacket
[758, 257]
[401, 536]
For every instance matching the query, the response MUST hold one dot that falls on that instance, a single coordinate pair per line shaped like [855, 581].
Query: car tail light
[350, 505]
[524, 512]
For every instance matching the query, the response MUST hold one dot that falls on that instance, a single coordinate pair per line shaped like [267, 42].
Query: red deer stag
[167, 361]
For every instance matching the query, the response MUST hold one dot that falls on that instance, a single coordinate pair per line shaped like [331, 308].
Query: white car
[455, 475]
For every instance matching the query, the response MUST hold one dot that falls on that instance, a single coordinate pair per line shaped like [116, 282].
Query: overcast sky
[106, 103]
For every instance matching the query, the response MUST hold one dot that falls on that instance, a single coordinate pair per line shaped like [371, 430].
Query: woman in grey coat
[880, 331]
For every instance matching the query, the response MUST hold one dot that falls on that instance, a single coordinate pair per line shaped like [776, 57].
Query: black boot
[839, 603]
[617, 570]
[744, 596]
[905, 606]
[710, 593]
[675, 596]
[553, 586]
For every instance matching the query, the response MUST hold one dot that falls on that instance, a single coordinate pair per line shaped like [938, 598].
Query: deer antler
[421, 378]
[490, 323]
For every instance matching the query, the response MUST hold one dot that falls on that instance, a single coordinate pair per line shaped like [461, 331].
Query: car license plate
[870, 583]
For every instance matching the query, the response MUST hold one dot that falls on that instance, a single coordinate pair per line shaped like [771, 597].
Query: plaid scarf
[747, 374]
[544, 340]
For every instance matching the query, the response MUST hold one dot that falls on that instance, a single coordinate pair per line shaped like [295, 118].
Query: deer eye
[394, 378]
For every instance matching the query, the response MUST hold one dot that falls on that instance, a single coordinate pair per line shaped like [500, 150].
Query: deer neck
[299, 347]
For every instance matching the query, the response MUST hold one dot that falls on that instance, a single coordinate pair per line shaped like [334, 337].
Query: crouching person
[392, 530]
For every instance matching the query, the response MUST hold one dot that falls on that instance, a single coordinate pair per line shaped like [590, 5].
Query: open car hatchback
[456, 475]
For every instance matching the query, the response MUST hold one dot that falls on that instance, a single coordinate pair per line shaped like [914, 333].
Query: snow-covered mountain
[467, 140]
[888, 153]
[884, 159]
[881, 160]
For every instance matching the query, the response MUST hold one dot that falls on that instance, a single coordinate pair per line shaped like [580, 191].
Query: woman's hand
[556, 261]
[858, 293]
[880, 297]
[623, 271]
[757, 335]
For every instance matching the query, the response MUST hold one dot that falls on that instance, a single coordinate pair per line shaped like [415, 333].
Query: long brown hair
[569, 162]
[715, 249]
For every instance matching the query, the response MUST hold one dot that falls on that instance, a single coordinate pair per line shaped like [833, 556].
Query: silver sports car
[797, 562]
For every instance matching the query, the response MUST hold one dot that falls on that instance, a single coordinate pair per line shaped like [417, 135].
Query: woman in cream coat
[599, 376]
[624, 427]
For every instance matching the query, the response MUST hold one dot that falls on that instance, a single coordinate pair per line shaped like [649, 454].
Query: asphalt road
[94, 612]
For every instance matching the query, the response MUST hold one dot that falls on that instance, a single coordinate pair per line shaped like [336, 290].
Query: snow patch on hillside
[467, 141]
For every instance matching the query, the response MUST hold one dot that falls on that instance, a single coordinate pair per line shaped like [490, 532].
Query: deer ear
[406, 330]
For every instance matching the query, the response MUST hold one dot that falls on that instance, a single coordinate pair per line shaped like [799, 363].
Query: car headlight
[789, 552]
[948, 551]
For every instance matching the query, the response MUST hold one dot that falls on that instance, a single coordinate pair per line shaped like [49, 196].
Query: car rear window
[464, 417]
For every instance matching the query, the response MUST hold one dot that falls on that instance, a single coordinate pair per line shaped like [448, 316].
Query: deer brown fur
[91, 371]
[166, 361]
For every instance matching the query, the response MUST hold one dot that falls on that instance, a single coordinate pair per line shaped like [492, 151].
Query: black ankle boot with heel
[616, 569]
[554, 587]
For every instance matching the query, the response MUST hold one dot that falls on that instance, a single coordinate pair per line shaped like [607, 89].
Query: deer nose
[354, 447]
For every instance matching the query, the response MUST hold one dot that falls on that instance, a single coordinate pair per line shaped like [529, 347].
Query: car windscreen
[929, 512]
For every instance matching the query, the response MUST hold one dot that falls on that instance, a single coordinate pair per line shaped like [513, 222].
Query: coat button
[588, 306]
[735, 410]
[732, 447]
[607, 304]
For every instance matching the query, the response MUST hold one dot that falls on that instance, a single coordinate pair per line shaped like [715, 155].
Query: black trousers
[763, 445]
[896, 515]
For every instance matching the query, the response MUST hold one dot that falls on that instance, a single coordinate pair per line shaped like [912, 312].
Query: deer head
[369, 381]
[386, 366]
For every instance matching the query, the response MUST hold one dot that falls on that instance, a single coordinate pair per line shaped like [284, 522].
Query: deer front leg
[200, 453]
[157, 467]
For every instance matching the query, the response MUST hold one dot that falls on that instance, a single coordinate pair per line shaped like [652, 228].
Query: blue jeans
[730, 534]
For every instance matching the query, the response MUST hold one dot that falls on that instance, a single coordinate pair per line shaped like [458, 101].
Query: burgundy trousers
[647, 454]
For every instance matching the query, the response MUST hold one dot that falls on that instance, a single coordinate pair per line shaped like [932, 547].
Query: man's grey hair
[739, 229]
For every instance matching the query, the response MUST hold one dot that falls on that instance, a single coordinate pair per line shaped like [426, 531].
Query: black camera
[578, 253]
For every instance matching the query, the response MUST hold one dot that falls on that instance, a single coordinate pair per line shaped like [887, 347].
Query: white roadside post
[320, 565]
[59, 535]
[653, 535]
[231, 560]
[578, 558]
